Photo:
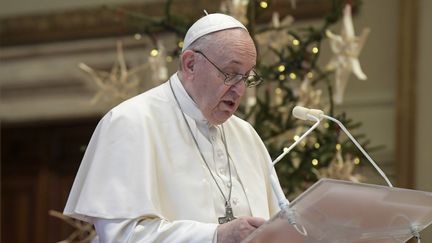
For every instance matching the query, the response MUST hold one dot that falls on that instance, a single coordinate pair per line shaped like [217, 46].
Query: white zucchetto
[209, 24]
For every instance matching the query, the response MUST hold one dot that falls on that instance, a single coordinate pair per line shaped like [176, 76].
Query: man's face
[236, 55]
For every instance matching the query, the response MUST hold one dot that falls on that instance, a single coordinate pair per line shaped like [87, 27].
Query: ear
[188, 64]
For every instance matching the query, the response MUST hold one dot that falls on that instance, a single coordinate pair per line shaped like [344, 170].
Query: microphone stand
[359, 147]
[280, 196]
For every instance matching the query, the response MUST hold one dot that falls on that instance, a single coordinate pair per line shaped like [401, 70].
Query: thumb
[255, 222]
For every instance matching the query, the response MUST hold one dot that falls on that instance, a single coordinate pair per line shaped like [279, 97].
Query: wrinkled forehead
[231, 42]
[232, 49]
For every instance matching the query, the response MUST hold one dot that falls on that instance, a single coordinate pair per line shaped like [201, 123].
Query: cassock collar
[188, 106]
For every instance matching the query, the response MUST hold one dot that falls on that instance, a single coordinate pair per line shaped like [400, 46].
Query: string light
[303, 143]
[338, 147]
[278, 91]
[169, 59]
[281, 68]
[315, 162]
[326, 125]
[292, 76]
[137, 36]
[310, 74]
[296, 42]
[263, 4]
[315, 50]
[154, 52]
[180, 44]
[317, 145]
[357, 160]
[296, 137]
[281, 77]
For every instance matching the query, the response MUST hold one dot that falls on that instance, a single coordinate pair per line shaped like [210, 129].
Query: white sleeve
[153, 230]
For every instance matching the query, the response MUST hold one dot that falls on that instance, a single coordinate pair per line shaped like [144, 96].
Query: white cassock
[142, 178]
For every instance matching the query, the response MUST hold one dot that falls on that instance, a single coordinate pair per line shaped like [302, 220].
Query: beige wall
[423, 171]
[424, 100]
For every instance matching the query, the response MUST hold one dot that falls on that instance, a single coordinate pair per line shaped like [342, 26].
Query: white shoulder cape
[141, 161]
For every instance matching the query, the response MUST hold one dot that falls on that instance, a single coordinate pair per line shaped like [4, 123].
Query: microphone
[306, 114]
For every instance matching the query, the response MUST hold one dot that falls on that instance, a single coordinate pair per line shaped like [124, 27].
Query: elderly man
[173, 164]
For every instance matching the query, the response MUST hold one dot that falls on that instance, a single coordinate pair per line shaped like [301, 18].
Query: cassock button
[222, 171]
[220, 153]
[228, 184]
[235, 201]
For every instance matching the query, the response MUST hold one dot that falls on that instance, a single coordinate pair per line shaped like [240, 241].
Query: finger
[255, 222]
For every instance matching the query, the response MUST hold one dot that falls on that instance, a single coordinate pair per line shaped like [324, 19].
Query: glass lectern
[343, 212]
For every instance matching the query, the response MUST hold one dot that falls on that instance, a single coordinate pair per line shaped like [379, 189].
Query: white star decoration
[237, 9]
[116, 85]
[121, 83]
[346, 48]
[277, 37]
[83, 233]
[293, 4]
[308, 96]
[340, 168]
[158, 67]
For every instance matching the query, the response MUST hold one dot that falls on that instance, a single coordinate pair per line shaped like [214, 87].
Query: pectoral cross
[229, 216]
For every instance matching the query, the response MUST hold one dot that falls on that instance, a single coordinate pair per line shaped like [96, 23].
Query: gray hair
[201, 44]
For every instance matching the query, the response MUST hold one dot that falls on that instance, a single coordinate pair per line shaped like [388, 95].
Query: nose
[239, 88]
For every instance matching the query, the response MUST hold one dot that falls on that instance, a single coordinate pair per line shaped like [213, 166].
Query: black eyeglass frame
[251, 79]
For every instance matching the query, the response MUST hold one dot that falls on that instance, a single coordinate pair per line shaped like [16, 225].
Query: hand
[238, 229]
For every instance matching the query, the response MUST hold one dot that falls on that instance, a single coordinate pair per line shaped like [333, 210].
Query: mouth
[229, 106]
[229, 103]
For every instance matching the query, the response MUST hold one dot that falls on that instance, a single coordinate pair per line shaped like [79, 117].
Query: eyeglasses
[251, 79]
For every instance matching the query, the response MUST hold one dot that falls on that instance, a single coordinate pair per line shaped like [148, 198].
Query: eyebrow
[239, 63]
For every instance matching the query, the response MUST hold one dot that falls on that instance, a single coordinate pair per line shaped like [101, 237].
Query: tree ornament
[116, 85]
[158, 67]
[293, 4]
[83, 231]
[237, 9]
[340, 169]
[346, 48]
[308, 96]
[276, 37]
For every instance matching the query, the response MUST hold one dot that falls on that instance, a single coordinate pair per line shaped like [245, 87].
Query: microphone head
[302, 113]
[316, 113]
